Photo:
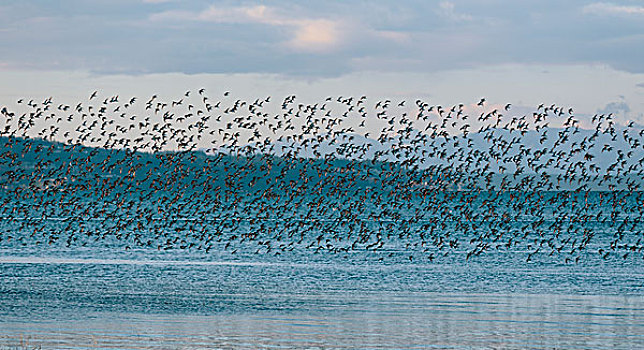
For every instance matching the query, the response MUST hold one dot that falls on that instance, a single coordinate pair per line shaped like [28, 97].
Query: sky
[584, 54]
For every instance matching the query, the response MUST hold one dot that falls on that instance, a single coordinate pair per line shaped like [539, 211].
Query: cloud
[446, 9]
[620, 107]
[640, 85]
[318, 38]
[156, 1]
[242, 14]
[396, 36]
[307, 34]
[604, 8]
[315, 35]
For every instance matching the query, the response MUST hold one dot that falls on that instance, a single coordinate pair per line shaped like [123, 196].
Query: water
[401, 321]
[90, 297]
[135, 236]
[97, 294]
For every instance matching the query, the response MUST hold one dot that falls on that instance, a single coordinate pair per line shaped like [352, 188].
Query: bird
[330, 176]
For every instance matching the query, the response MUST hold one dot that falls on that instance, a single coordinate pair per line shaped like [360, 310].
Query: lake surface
[103, 297]
[108, 293]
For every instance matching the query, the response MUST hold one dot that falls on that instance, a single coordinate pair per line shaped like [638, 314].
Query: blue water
[96, 294]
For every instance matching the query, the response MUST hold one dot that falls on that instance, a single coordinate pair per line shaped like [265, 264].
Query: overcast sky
[585, 54]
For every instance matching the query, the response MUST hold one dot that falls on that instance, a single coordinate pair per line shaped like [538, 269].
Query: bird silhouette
[336, 175]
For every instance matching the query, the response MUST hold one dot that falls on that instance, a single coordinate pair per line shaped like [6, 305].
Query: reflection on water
[111, 299]
[375, 320]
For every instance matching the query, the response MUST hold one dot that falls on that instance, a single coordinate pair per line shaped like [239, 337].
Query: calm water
[102, 296]
[92, 298]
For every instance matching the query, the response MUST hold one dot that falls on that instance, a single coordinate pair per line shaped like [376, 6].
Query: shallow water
[103, 296]
[64, 298]
[378, 320]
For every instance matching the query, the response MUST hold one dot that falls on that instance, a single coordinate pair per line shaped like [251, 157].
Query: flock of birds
[338, 175]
